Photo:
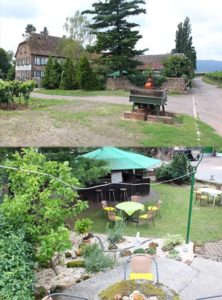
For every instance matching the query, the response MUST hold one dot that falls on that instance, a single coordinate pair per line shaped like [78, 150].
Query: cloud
[158, 26]
[19, 9]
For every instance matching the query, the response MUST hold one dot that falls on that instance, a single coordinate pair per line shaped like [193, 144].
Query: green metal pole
[190, 206]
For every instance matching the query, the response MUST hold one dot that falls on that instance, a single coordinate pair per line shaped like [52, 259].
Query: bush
[95, 260]
[138, 78]
[139, 250]
[10, 91]
[115, 233]
[177, 170]
[173, 240]
[83, 225]
[76, 264]
[16, 264]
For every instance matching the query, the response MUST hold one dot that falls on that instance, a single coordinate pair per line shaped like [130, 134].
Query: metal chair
[105, 207]
[113, 217]
[49, 297]
[141, 267]
[155, 208]
[149, 216]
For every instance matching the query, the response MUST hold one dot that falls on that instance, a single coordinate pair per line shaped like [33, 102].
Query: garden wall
[171, 85]
[119, 83]
[175, 85]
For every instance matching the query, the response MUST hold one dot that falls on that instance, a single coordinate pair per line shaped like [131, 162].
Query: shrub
[139, 250]
[174, 254]
[177, 168]
[16, 264]
[83, 225]
[138, 78]
[76, 264]
[115, 233]
[171, 241]
[151, 251]
[95, 260]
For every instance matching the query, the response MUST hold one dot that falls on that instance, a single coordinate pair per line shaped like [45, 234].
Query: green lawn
[100, 123]
[206, 221]
[83, 93]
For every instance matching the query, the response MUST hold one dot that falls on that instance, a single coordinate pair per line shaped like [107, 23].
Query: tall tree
[184, 42]
[4, 63]
[116, 36]
[41, 203]
[77, 27]
[86, 77]
[29, 29]
[68, 79]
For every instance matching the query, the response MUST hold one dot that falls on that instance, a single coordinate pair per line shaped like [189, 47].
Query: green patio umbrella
[118, 159]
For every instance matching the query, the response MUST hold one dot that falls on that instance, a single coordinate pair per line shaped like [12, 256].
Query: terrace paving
[201, 279]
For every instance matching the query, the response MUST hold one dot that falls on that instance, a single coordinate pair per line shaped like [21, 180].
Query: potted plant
[83, 226]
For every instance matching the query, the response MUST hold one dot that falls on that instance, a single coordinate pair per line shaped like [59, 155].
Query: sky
[158, 26]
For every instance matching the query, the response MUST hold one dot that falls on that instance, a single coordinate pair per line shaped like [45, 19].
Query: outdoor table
[130, 207]
[212, 192]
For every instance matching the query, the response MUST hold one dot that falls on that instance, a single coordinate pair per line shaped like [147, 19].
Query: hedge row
[16, 91]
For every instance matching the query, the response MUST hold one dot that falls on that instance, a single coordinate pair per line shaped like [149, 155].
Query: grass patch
[211, 81]
[181, 133]
[106, 118]
[82, 93]
[41, 104]
[206, 220]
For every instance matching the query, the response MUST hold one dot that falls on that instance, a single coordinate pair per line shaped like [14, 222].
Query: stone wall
[175, 85]
[119, 83]
[171, 85]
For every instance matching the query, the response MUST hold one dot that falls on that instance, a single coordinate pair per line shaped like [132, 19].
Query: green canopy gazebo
[118, 159]
[123, 165]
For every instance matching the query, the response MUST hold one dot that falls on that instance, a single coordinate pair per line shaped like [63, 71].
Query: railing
[210, 297]
[49, 297]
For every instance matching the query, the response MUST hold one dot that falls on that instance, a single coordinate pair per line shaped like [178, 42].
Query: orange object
[149, 84]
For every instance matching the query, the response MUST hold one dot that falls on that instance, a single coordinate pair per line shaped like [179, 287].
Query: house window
[37, 61]
[37, 74]
[42, 74]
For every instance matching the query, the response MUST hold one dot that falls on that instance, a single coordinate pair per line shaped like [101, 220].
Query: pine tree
[56, 73]
[116, 36]
[46, 81]
[85, 75]
[184, 42]
[68, 80]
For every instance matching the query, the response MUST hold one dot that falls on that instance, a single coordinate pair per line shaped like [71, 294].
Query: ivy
[16, 263]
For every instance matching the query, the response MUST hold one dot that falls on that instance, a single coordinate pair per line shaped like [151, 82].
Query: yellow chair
[155, 208]
[113, 217]
[149, 216]
[201, 198]
[141, 267]
[105, 207]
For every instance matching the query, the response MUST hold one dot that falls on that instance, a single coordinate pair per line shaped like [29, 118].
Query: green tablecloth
[130, 207]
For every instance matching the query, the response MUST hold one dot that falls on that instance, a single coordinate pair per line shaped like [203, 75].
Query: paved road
[201, 279]
[204, 101]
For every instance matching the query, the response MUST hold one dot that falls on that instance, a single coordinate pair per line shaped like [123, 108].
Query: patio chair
[155, 208]
[148, 217]
[140, 267]
[113, 217]
[202, 198]
[51, 296]
[105, 207]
